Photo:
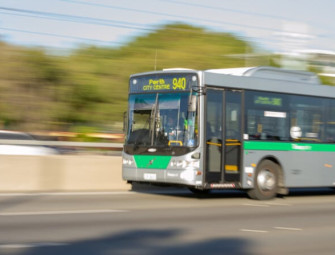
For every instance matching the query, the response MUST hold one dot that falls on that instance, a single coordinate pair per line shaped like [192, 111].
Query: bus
[260, 129]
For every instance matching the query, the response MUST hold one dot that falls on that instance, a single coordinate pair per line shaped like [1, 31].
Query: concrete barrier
[61, 173]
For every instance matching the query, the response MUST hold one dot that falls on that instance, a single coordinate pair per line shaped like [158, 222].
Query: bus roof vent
[268, 72]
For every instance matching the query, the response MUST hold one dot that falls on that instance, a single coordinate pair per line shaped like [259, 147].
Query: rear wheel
[266, 181]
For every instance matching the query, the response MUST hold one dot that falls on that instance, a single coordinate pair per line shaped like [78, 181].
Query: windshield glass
[162, 119]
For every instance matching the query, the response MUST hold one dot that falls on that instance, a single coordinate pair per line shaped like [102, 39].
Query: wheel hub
[266, 180]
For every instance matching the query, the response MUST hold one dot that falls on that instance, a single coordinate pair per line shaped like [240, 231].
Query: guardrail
[115, 146]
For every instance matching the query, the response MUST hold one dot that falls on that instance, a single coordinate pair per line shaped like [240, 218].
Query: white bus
[263, 130]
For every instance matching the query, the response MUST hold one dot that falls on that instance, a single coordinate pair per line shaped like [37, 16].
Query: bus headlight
[181, 163]
[185, 163]
[188, 175]
[128, 161]
[194, 164]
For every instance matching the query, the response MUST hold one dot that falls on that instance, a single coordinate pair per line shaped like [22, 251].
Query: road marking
[254, 230]
[61, 212]
[278, 204]
[30, 245]
[98, 193]
[268, 204]
[291, 229]
[257, 205]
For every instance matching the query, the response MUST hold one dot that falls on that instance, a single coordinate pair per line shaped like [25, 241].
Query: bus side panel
[300, 168]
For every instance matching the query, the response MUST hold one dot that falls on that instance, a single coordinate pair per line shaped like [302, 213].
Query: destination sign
[160, 83]
[264, 100]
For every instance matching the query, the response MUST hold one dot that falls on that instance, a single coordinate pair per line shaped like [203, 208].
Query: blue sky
[276, 25]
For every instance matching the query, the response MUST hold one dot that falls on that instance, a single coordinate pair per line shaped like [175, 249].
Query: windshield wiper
[152, 125]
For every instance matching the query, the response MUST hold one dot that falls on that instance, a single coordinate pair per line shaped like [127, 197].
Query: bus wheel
[266, 181]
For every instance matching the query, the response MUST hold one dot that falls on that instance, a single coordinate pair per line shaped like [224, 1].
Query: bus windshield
[162, 119]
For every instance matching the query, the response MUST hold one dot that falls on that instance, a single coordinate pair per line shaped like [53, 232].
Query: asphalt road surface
[167, 222]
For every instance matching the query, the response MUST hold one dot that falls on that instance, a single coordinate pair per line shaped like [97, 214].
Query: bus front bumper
[189, 176]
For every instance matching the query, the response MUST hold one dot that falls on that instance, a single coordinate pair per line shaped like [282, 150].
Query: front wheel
[265, 181]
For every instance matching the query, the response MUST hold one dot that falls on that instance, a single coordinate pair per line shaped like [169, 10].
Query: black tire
[265, 181]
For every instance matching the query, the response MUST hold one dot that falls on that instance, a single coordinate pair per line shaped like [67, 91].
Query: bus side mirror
[192, 106]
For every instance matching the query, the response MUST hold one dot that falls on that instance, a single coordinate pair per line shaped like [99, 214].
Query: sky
[273, 25]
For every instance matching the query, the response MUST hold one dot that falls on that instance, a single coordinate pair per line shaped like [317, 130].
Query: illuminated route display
[163, 83]
[272, 101]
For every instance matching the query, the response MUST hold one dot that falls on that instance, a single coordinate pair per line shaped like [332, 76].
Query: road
[167, 222]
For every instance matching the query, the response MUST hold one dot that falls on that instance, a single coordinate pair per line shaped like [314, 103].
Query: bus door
[232, 136]
[223, 135]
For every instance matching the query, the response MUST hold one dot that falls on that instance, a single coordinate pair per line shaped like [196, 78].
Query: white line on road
[61, 212]
[291, 229]
[98, 193]
[29, 245]
[278, 204]
[254, 230]
[257, 205]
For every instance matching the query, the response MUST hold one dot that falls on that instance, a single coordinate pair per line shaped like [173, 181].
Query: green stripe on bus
[152, 161]
[287, 146]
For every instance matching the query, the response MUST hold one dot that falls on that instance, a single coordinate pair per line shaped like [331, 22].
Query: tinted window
[307, 118]
[330, 123]
[214, 113]
[281, 117]
[267, 116]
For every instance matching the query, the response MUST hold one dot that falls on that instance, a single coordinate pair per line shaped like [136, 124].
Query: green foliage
[327, 80]
[84, 134]
[90, 86]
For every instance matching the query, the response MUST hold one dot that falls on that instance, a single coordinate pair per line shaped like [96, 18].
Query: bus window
[306, 113]
[140, 113]
[267, 116]
[162, 119]
[330, 127]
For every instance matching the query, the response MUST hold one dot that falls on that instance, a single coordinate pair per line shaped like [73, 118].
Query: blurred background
[64, 71]
[65, 64]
